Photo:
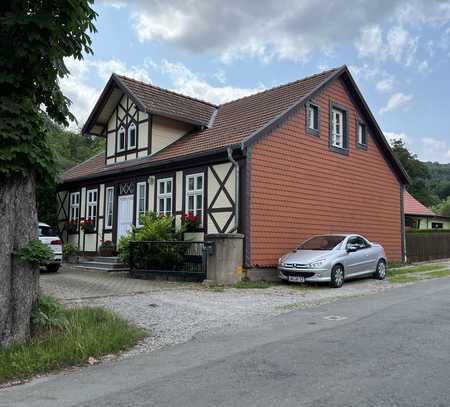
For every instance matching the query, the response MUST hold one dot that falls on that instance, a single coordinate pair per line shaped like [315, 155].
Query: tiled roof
[233, 122]
[413, 207]
[167, 103]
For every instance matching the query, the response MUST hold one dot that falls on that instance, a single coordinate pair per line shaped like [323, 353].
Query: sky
[397, 50]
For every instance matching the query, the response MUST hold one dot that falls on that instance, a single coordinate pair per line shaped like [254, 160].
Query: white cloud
[189, 83]
[77, 86]
[424, 67]
[396, 101]
[385, 85]
[392, 136]
[397, 44]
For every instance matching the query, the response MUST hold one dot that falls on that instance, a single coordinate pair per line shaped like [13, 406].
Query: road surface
[389, 349]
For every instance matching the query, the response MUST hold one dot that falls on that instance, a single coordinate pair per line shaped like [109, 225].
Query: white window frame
[91, 205]
[131, 127]
[165, 196]
[196, 192]
[138, 200]
[109, 207]
[312, 116]
[362, 134]
[119, 132]
[74, 207]
[338, 129]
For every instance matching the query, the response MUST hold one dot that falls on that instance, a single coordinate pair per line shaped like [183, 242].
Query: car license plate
[296, 279]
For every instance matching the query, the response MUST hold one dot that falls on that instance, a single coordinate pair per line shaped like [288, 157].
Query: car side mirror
[351, 249]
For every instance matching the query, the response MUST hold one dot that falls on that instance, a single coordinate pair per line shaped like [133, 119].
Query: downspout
[236, 189]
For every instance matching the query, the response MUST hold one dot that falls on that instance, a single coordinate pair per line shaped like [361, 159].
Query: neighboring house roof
[413, 207]
[237, 123]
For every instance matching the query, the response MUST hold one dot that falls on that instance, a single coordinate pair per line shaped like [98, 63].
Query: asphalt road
[389, 349]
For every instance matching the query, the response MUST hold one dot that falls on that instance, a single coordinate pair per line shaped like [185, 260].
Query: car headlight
[317, 264]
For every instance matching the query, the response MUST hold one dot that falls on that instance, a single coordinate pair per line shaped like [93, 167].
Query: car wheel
[52, 268]
[380, 272]
[337, 276]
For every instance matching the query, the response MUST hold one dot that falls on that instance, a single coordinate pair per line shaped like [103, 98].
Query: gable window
[121, 139]
[312, 118]
[361, 134]
[194, 195]
[141, 201]
[131, 136]
[109, 207]
[338, 129]
[92, 205]
[74, 212]
[164, 197]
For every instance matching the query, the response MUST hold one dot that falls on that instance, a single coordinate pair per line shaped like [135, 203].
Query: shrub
[35, 252]
[107, 244]
[154, 228]
[69, 250]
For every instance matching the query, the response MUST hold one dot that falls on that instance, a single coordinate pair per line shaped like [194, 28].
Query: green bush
[153, 228]
[69, 250]
[35, 252]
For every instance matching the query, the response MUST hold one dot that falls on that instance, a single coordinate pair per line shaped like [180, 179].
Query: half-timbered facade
[260, 165]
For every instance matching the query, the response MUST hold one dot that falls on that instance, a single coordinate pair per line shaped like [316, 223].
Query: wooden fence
[427, 246]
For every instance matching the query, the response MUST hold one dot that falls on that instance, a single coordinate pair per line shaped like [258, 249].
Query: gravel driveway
[177, 312]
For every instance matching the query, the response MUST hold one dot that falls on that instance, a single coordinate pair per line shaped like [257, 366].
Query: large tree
[35, 37]
[417, 171]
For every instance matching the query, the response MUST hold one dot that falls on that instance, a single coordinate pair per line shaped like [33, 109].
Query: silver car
[333, 259]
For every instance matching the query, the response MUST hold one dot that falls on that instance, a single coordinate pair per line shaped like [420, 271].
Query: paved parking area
[176, 312]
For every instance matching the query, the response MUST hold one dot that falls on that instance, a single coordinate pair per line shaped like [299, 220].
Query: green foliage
[88, 332]
[48, 314]
[107, 244]
[417, 171]
[153, 228]
[443, 208]
[41, 34]
[69, 250]
[35, 252]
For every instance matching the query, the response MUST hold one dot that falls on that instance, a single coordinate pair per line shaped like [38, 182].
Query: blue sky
[397, 50]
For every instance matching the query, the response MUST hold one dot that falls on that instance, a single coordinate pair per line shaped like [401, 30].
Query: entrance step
[102, 263]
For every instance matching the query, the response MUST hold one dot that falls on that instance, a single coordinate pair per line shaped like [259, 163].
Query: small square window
[361, 135]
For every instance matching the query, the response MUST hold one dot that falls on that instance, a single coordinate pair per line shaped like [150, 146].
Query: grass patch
[253, 284]
[85, 332]
[415, 273]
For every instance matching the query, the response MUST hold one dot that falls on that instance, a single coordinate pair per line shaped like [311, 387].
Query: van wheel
[337, 276]
[380, 272]
[52, 268]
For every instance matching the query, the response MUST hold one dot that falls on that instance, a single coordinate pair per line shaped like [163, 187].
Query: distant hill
[439, 172]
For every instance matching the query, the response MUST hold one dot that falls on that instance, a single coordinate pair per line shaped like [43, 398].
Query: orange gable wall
[299, 187]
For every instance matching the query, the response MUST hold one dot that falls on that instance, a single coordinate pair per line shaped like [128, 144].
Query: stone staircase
[100, 263]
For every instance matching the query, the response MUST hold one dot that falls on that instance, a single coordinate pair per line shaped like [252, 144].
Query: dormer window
[121, 139]
[131, 136]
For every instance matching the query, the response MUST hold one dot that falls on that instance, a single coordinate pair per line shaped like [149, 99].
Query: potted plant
[106, 248]
[72, 226]
[87, 225]
[190, 222]
[70, 253]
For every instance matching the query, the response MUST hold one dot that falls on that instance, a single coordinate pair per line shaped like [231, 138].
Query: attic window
[361, 133]
[131, 136]
[121, 139]
[312, 118]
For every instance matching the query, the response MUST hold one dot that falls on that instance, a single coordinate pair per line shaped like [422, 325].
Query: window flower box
[88, 225]
[71, 226]
[190, 222]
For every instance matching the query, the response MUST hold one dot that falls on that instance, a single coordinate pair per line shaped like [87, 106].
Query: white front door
[125, 215]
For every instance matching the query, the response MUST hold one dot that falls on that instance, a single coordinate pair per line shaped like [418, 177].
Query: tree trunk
[19, 281]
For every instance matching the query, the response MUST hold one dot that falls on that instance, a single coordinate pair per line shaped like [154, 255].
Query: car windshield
[321, 243]
[46, 231]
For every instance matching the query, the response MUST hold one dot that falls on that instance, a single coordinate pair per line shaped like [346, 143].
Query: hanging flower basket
[87, 225]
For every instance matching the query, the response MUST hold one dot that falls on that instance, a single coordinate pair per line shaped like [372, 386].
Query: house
[278, 166]
[419, 217]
